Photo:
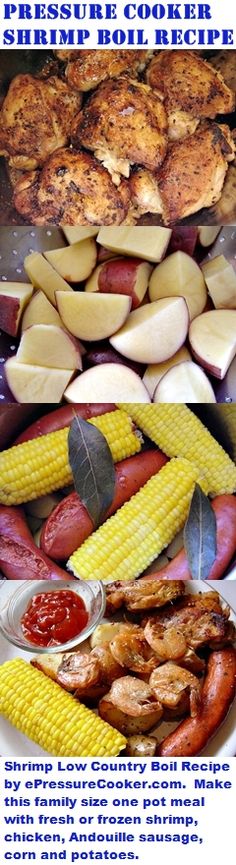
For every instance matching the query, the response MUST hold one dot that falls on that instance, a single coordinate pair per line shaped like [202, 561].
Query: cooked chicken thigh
[124, 123]
[72, 189]
[191, 89]
[190, 178]
[35, 119]
[86, 69]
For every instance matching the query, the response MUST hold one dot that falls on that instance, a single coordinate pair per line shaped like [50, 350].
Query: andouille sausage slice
[63, 417]
[225, 511]
[20, 559]
[69, 524]
[218, 693]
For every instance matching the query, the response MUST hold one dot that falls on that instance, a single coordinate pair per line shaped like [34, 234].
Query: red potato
[128, 276]
[225, 511]
[63, 417]
[69, 524]
[104, 254]
[101, 352]
[218, 693]
[13, 298]
[20, 559]
[183, 239]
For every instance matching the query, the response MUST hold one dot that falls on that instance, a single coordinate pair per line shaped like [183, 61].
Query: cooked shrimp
[110, 669]
[131, 650]
[168, 643]
[169, 682]
[78, 671]
[134, 697]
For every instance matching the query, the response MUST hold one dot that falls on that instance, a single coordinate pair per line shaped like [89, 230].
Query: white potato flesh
[93, 316]
[13, 299]
[208, 233]
[148, 243]
[50, 346]
[212, 339]
[73, 233]
[154, 332]
[43, 276]
[36, 384]
[185, 382]
[74, 263]
[109, 382]
[179, 275]
[220, 278]
[40, 311]
[155, 371]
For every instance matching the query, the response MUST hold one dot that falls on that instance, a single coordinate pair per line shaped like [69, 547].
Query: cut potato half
[155, 371]
[212, 338]
[40, 311]
[13, 298]
[110, 382]
[74, 263]
[207, 234]
[74, 233]
[50, 346]
[220, 278]
[128, 276]
[148, 243]
[185, 382]
[43, 276]
[93, 316]
[154, 332]
[36, 384]
[179, 275]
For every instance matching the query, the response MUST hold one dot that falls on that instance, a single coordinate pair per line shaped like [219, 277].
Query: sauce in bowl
[54, 618]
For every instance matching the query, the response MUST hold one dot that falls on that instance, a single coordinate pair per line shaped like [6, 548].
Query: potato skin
[125, 723]
[218, 693]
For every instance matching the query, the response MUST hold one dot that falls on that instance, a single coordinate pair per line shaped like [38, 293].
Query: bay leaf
[92, 467]
[200, 536]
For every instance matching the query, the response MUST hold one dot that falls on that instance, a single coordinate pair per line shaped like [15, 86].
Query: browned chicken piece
[35, 120]
[72, 189]
[199, 623]
[143, 594]
[124, 123]
[225, 63]
[169, 682]
[130, 706]
[86, 69]
[191, 177]
[192, 90]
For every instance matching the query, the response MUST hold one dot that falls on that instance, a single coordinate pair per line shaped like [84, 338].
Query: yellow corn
[39, 466]
[130, 540]
[51, 717]
[178, 432]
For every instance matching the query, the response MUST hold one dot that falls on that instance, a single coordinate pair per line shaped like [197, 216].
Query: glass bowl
[91, 592]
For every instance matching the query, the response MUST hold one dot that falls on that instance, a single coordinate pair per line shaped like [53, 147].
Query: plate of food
[145, 314]
[111, 137]
[157, 677]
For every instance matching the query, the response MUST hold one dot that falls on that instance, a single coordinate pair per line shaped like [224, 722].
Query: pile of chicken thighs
[142, 140]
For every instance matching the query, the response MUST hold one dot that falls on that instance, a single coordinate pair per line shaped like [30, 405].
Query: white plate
[223, 745]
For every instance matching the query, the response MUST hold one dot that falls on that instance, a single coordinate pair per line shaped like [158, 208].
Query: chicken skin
[86, 69]
[191, 177]
[191, 89]
[35, 120]
[72, 189]
[124, 123]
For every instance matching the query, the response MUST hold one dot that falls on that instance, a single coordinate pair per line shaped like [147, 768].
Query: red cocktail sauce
[54, 618]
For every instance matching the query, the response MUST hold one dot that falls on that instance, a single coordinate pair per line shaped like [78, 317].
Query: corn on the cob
[51, 717]
[130, 540]
[39, 466]
[178, 432]
[228, 416]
